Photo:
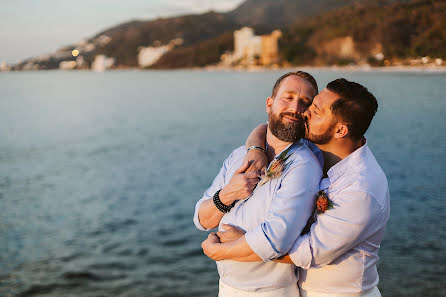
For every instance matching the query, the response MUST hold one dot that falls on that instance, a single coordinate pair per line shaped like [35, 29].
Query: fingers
[243, 168]
[252, 175]
[231, 233]
[212, 238]
[225, 236]
[227, 227]
[221, 234]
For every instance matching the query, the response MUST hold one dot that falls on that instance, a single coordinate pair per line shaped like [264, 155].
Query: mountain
[206, 36]
[192, 29]
[282, 13]
[361, 33]
[315, 32]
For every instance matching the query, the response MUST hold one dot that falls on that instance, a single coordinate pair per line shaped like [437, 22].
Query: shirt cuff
[196, 220]
[261, 245]
[300, 252]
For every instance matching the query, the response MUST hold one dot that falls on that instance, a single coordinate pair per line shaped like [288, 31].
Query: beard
[323, 138]
[288, 132]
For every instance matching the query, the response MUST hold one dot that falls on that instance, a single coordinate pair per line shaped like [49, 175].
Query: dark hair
[302, 74]
[356, 106]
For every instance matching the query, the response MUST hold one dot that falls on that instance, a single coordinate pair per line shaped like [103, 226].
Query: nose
[307, 113]
[298, 106]
[301, 106]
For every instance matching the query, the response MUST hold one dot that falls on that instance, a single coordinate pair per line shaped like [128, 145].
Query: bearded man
[338, 256]
[278, 209]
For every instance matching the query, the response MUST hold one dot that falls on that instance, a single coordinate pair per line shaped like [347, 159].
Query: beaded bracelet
[220, 205]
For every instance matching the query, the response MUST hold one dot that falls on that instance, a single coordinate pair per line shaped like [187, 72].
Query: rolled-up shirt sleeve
[217, 184]
[355, 217]
[290, 208]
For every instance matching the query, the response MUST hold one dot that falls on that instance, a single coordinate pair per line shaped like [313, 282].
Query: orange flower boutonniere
[323, 203]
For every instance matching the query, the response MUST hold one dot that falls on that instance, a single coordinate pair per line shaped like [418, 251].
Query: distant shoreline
[352, 68]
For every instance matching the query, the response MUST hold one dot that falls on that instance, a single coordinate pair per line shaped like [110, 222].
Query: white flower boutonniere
[276, 167]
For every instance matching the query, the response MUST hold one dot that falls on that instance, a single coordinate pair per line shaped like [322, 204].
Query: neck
[275, 145]
[337, 150]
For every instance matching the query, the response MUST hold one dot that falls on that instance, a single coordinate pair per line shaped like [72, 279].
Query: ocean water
[99, 175]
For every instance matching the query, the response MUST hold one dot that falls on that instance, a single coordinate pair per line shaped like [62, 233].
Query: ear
[269, 103]
[341, 130]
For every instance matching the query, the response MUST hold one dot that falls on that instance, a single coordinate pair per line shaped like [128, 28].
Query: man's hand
[240, 186]
[258, 160]
[231, 233]
[211, 247]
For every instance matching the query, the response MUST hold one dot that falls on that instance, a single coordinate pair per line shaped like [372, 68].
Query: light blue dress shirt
[340, 252]
[273, 217]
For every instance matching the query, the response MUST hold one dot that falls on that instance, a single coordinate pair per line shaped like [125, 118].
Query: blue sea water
[99, 175]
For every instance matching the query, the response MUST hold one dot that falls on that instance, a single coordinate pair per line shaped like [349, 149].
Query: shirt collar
[348, 163]
[295, 144]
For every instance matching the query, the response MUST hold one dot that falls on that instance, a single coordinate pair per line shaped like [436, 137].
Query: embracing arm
[256, 157]
[240, 186]
[257, 137]
[231, 244]
[355, 217]
[237, 250]
[287, 216]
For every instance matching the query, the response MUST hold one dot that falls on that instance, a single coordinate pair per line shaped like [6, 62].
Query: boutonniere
[323, 203]
[276, 167]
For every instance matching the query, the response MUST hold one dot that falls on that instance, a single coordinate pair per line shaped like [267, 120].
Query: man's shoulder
[368, 177]
[302, 154]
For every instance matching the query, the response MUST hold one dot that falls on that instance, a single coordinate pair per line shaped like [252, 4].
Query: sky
[34, 27]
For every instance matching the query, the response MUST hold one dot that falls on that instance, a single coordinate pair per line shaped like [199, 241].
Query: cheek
[316, 125]
[276, 108]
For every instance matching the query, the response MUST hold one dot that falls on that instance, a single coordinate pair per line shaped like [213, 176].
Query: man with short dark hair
[338, 255]
[277, 211]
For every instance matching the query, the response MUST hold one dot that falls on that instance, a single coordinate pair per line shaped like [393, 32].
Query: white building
[147, 56]
[246, 45]
[251, 49]
[102, 63]
[67, 65]
[4, 67]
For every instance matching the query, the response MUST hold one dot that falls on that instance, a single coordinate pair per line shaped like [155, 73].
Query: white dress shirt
[340, 252]
[273, 217]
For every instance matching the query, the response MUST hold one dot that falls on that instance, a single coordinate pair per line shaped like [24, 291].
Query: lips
[294, 119]
[291, 116]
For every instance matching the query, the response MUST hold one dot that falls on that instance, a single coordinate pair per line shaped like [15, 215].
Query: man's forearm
[208, 215]
[257, 136]
[237, 250]
[284, 259]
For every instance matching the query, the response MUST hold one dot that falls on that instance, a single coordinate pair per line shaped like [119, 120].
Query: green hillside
[403, 30]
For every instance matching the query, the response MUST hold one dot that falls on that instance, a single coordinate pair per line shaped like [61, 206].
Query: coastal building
[102, 63]
[251, 49]
[102, 40]
[4, 67]
[147, 56]
[270, 48]
[67, 65]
